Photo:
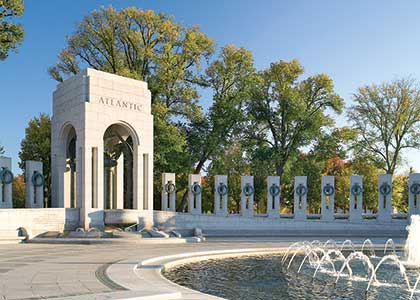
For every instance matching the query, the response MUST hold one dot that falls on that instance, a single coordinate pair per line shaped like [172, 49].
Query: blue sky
[355, 42]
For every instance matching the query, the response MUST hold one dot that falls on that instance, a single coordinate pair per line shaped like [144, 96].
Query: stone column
[356, 198]
[6, 185]
[221, 195]
[300, 196]
[273, 196]
[194, 194]
[119, 182]
[414, 194]
[67, 187]
[80, 184]
[327, 198]
[34, 179]
[137, 178]
[100, 171]
[247, 196]
[384, 198]
[168, 192]
[89, 216]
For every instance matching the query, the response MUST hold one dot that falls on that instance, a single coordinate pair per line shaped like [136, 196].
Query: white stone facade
[414, 194]
[247, 196]
[385, 198]
[221, 192]
[273, 196]
[84, 109]
[327, 198]
[34, 187]
[356, 199]
[300, 198]
[6, 187]
[168, 192]
[194, 194]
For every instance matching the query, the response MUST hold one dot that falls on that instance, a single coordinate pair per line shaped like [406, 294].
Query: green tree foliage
[142, 45]
[362, 166]
[234, 164]
[327, 156]
[37, 146]
[387, 118]
[400, 193]
[209, 133]
[286, 114]
[18, 192]
[11, 34]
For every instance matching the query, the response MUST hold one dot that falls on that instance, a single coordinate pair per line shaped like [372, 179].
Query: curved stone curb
[91, 241]
[147, 275]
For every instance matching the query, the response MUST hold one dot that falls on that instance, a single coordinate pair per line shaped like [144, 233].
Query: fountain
[412, 245]
[322, 270]
[328, 258]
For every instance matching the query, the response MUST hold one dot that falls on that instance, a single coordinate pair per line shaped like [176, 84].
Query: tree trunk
[280, 170]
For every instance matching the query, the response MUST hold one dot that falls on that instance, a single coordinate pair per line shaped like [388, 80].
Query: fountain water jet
[395, 259]
[369, 244]
[327, 258]
[314, 254]
[359, 256]
[390, 243]
[412, 245]
[347, 242]
[330, 242]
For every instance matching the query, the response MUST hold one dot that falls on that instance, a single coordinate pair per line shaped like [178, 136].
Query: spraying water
[412, 245]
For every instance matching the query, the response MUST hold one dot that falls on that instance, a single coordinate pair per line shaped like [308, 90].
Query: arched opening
[69, 137]
[119, 141]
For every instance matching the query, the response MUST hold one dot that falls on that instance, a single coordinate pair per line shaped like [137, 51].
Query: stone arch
[119, 144]
[68, 141]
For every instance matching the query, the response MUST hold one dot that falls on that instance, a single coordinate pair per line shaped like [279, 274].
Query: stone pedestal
[356, 198]
[414, 194]
[327, 198]
[273, 196]
[119, 183]
[194, 194]
[34, 184]
[300, 198]
[6, 186]
[168, 192]
[384, 198]
[247, 196]
[221, 195]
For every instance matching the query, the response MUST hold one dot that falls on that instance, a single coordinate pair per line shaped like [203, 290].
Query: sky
[354, 42]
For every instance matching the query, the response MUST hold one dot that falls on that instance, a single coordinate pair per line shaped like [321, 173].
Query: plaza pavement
[52, 271]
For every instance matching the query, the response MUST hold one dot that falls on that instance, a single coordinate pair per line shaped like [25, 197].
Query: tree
[340, 169]
[286, 114]
[209, 133]
[400, 192]
[11, 34]
[1, 150]
[18, 191]
[327, 156]
[142, 45]
[387, 118]
[362, 166]
[234, 164]
[37, 146]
